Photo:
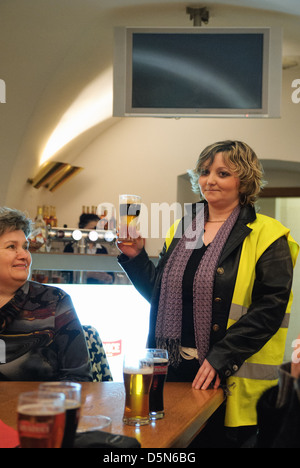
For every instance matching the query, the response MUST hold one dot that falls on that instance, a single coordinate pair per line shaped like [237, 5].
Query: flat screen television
[197, 72]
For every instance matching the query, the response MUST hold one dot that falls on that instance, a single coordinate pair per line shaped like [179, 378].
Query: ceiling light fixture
[53, 174]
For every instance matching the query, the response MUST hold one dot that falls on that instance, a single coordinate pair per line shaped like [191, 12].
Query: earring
[243, 199]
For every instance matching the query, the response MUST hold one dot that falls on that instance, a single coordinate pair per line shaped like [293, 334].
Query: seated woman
[42, 336]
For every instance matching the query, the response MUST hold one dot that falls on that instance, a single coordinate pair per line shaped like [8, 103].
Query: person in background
[90, 221]
[278, 409]
[39, 326]
[87, 221]
[220, 294]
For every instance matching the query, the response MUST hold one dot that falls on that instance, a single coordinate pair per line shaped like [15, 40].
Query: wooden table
[186, 410]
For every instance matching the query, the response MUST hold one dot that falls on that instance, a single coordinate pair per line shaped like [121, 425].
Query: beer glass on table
[41, 419]
[130, 207]
[137, 373]
[156, 396]
[72, 392]
[96, 422]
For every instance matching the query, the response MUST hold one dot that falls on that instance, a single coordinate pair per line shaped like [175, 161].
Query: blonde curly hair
[243, 163]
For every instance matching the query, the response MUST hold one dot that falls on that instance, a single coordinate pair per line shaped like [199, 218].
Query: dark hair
[14, 220]
[85, 218]
[241, 160]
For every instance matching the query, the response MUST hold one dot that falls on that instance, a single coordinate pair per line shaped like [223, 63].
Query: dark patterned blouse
[41, 337]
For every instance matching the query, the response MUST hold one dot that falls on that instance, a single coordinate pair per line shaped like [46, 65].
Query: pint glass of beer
[41, 419]
[156, 397]
[130, 207]
[137, 372]
[72, 392]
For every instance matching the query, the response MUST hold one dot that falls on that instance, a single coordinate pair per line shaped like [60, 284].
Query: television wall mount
[198, 15]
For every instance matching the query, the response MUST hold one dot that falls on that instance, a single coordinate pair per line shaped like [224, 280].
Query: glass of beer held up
[137, 373]
[130, 208]
[72, 392]
[41, 419]
[156, 397]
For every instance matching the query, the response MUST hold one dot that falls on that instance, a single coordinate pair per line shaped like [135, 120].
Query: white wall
[145, 156]
[59, 51]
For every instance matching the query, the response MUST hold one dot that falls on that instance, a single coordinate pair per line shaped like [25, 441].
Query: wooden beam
[269, 192]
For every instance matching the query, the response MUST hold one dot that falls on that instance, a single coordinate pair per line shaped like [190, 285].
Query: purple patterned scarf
[169, 316]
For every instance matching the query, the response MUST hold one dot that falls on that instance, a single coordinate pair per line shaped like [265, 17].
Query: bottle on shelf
[46, 215]
[53, 219]
[112, 224]
[38, 237]
[103, 223]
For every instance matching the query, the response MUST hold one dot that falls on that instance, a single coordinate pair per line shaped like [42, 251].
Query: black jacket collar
[239, 232]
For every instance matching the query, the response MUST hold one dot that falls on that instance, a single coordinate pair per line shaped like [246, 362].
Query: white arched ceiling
[56, 61]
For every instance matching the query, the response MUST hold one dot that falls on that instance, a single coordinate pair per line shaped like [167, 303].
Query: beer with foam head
[72, 392]
[137, 383]
[130, 207]
[41, 420]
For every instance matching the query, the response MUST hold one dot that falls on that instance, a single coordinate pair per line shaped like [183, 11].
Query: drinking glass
[41, 419]
[156, 396]
[97, 422]
[137, 373]
[129, 207]
[72, 392]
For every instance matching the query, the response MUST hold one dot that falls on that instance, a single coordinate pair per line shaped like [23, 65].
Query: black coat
[278, 427]
[274, 271]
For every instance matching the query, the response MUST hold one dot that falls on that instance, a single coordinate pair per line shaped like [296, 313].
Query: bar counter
[186, 410]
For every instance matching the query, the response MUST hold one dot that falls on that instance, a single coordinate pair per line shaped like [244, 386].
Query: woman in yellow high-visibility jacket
[221, 292]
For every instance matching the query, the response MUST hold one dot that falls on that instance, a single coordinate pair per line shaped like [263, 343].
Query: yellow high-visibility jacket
[260, 371]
